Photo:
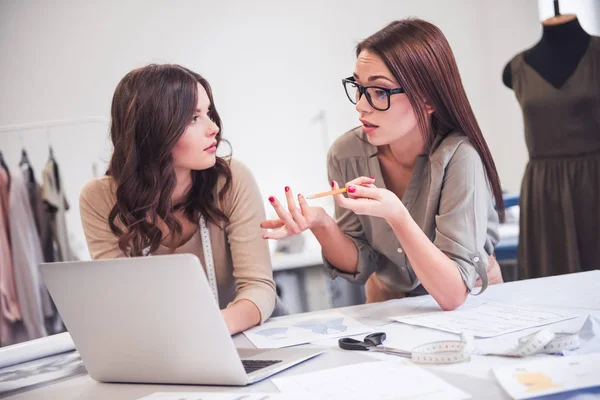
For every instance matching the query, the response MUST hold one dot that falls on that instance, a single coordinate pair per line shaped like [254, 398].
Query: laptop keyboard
[254, 365]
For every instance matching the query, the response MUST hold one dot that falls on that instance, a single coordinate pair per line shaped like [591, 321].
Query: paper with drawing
[305, 329]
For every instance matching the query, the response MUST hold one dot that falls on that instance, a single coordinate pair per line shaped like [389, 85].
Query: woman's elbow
[453, 300]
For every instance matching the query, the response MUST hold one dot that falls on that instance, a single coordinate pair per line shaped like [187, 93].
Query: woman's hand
[297, 218]
[365, 198]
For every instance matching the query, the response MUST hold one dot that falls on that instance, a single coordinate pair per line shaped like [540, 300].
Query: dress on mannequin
[557, 84]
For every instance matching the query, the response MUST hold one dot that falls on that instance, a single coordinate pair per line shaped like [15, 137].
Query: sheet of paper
[549, 376]
[228, 396]
[378, 314]
[304, 329]
[387, 380]
[486, 320]
[584, 292]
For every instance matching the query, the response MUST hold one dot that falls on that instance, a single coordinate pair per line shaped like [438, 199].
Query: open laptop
[155, 320]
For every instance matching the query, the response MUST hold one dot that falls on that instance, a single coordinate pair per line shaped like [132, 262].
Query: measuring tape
[456, 351]
[208, 258]
[444, 352]
[541, 342]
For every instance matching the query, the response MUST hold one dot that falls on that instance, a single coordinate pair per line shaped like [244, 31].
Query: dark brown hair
[418, 55]
[150, 110]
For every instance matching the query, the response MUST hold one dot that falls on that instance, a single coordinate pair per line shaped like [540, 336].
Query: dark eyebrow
[374, 78]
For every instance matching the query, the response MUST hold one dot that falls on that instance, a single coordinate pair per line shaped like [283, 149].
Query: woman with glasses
[423, 194]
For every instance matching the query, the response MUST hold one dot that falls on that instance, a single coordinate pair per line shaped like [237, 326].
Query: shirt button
[399, 250]
[476, 259]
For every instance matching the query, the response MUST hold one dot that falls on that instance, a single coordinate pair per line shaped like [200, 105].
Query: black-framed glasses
[378, 97]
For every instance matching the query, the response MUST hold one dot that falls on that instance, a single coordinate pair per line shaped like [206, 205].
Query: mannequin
[556, 56]
[557, 85]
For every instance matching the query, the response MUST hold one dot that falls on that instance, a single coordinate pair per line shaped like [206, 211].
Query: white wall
[274, 66]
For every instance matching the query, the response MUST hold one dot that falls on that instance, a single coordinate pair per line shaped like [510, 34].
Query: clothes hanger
[54, 169]
[25, 162]
[24, 158]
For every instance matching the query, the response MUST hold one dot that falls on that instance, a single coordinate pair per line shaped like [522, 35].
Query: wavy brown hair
[418, 55]
[150, 110]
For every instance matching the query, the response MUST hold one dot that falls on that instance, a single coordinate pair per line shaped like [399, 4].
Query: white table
[579, 293]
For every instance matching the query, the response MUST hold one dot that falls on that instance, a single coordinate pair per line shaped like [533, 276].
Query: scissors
[372, 342]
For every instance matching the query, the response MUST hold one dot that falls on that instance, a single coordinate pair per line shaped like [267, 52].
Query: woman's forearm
[338, 249]
[240, 316]
[436, 271]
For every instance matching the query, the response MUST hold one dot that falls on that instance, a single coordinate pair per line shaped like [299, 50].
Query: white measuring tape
[541, 342]
[208, 258]
[444, 352]
[456, 351]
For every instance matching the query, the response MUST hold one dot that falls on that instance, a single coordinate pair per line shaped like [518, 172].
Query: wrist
[398, 218]
[323, 222]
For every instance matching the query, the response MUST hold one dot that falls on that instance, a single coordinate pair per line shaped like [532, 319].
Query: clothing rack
[53, 123]
[37, 213]
[45, 127]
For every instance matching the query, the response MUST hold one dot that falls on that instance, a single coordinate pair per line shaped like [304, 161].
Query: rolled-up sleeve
[462, 222]
[252, 269]
[350, 224]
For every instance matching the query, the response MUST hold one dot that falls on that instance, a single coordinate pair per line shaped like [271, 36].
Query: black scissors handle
[370, 341]
[375, 339]
[353, 344]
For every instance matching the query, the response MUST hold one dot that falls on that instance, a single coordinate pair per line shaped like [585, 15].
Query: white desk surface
[579, 293]
[311, 255]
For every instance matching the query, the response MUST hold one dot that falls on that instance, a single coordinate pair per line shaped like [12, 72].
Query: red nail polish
[351, 189]
[287, 189]
[271, 199]
[332, 183]
[372, 177]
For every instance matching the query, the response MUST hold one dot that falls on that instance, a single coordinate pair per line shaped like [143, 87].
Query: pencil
[329, 193]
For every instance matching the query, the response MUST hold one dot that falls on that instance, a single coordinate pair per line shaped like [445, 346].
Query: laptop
[155, 320]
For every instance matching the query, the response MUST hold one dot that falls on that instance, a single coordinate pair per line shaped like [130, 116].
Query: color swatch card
[547, 376]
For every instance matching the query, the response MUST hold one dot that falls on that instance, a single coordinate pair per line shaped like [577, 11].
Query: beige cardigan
[241, 257]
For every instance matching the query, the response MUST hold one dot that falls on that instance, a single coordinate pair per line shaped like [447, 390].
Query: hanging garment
[53, 321]
[27, 255]
[56, 206]
[9, 304]
[560, 193]
[42, 223]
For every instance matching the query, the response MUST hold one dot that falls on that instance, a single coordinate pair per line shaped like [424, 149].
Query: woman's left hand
[365, 198]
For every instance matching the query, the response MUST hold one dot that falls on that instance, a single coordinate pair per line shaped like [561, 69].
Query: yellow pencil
[329, 193]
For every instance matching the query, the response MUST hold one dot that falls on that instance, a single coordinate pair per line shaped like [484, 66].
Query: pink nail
[351, 189]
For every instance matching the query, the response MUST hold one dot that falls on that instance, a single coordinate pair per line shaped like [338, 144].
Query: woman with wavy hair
[165, 185]
[422, 186]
